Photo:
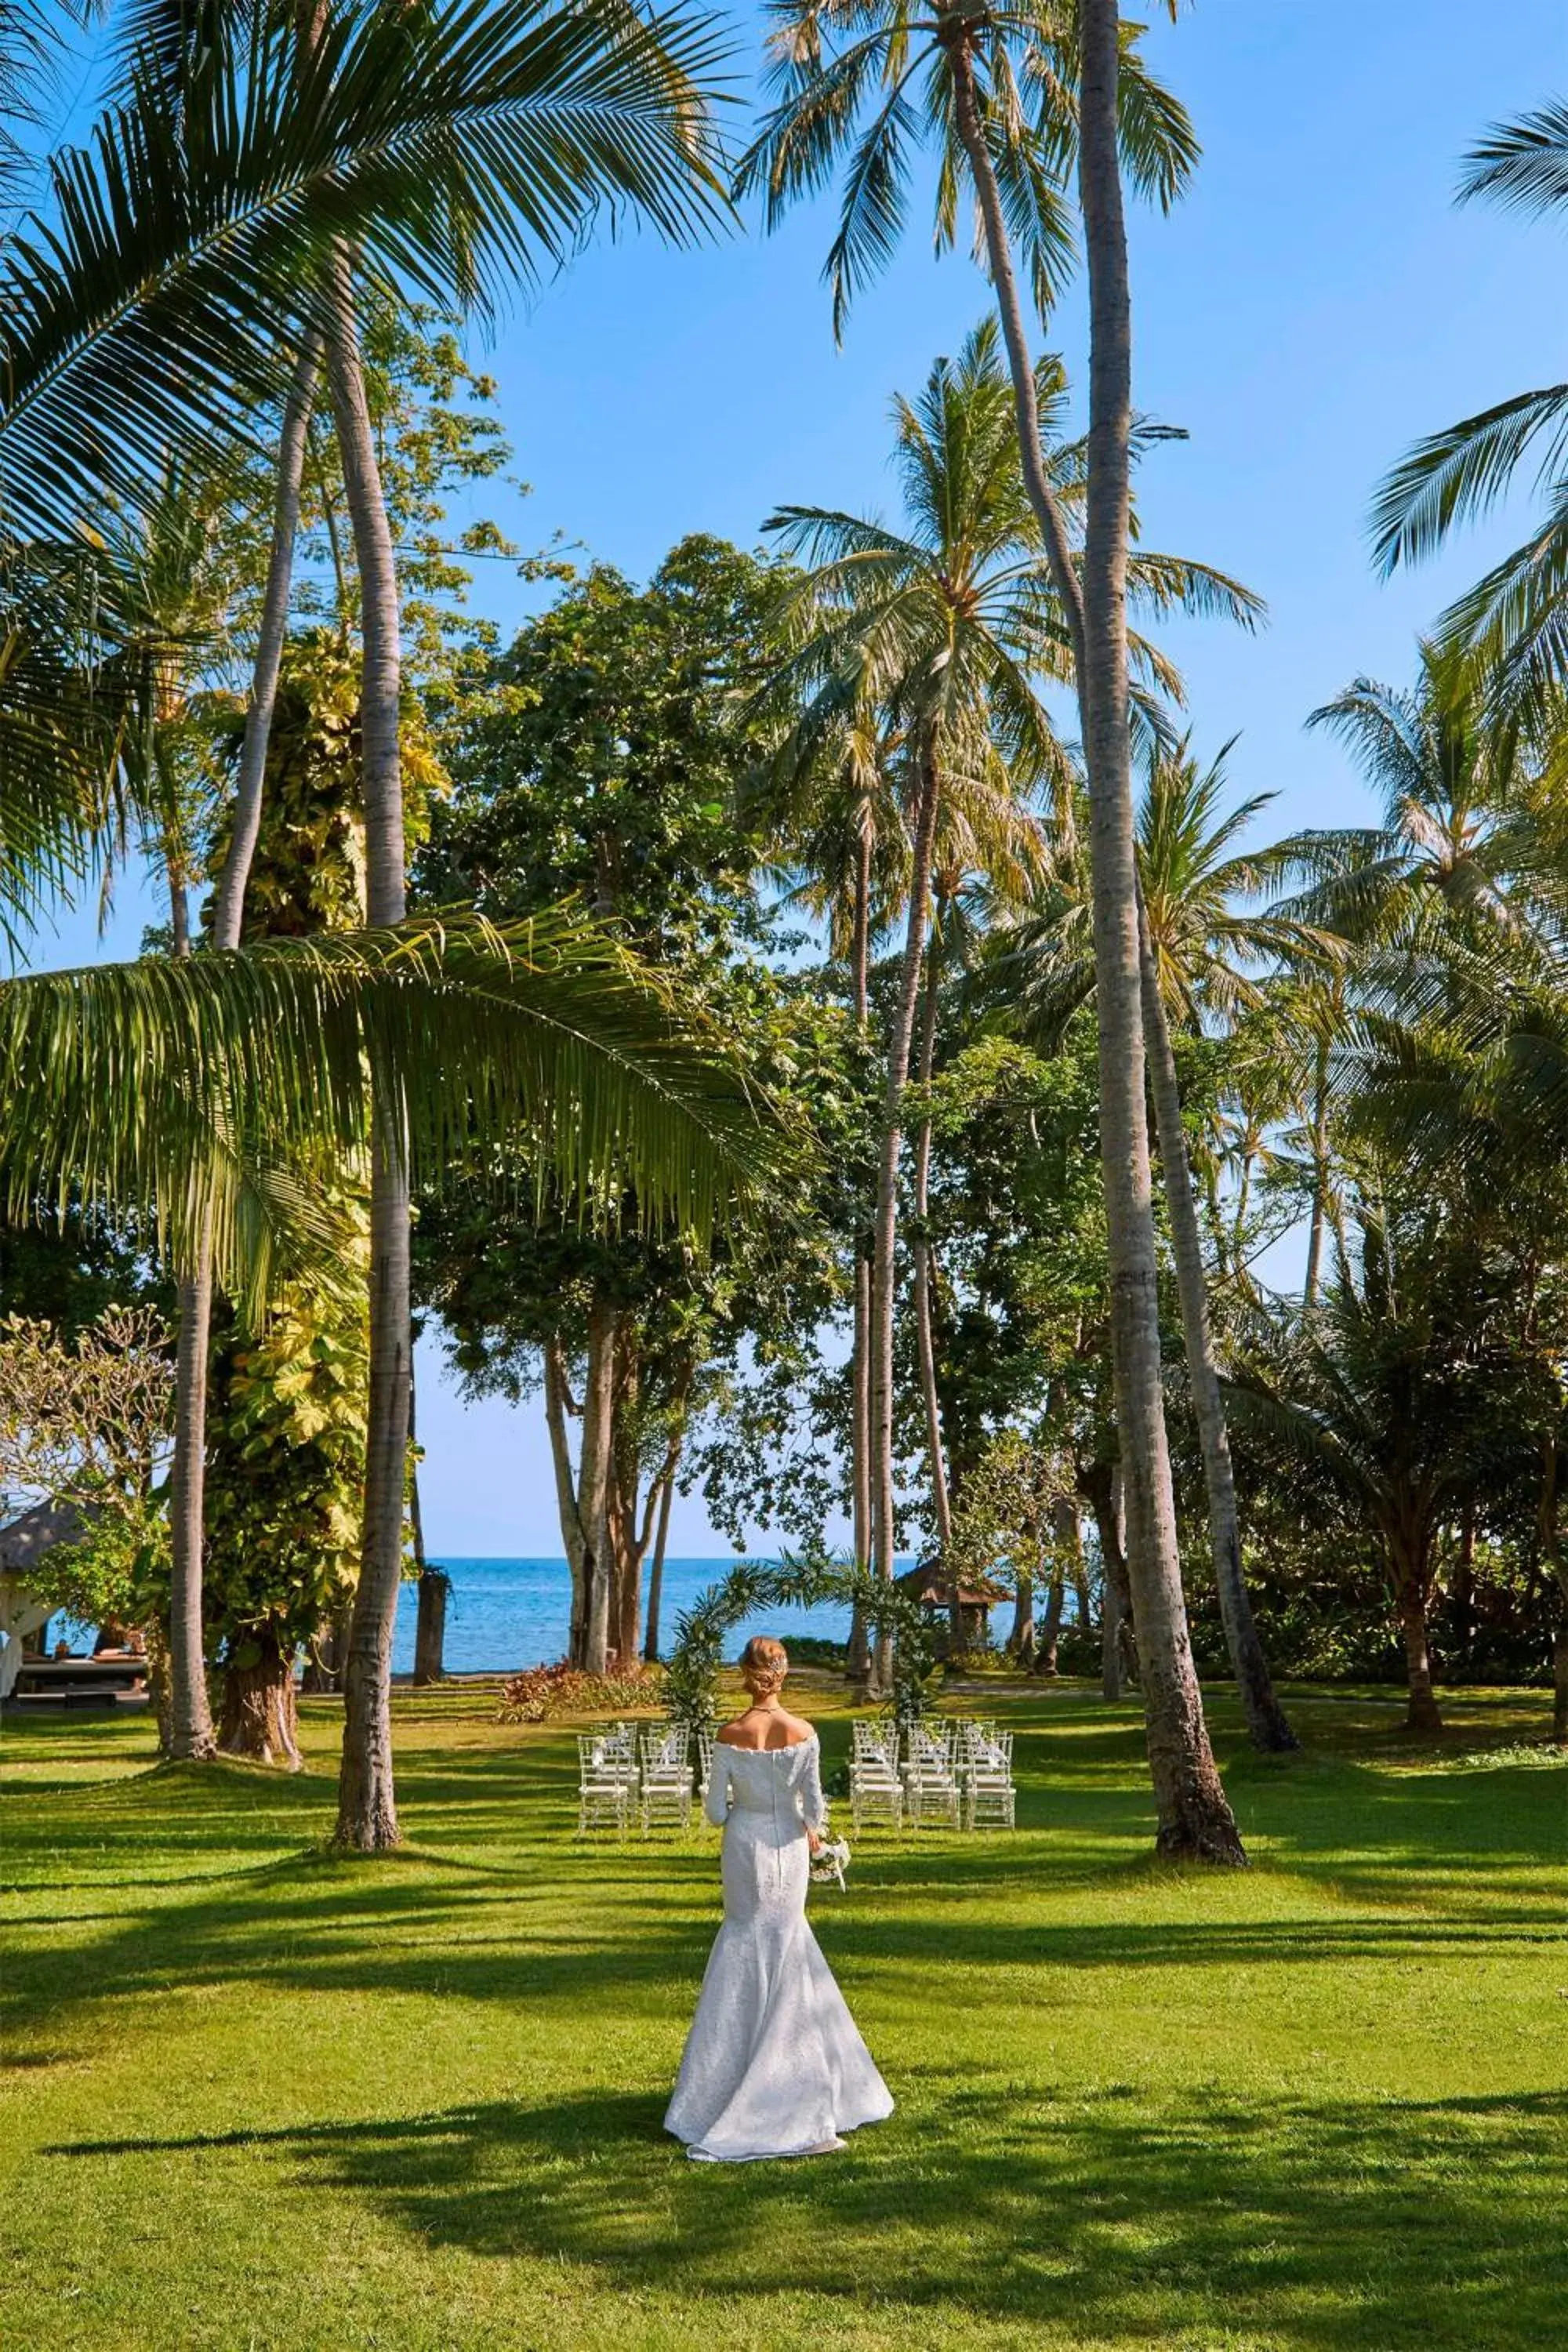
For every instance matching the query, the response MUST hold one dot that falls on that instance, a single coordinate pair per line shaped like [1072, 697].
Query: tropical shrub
[540, 1693]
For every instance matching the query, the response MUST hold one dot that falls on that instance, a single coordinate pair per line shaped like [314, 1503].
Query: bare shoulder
[798, 1731]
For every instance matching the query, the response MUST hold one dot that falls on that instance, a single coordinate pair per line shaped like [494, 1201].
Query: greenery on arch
[807, 1582]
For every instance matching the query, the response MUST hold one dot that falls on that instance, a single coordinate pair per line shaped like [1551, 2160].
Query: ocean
[503, 1614]
[506, 1613]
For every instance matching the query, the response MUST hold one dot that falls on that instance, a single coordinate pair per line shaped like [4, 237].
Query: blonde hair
[764, 1665]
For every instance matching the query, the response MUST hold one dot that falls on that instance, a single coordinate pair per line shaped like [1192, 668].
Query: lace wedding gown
[774, 2064]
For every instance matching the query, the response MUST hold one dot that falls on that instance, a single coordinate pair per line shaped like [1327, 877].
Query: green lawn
[258, 2100]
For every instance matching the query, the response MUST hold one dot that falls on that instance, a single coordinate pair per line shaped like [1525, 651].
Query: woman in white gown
[774, 2064]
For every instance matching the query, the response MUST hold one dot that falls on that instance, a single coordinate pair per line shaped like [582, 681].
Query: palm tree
[1459, 805]
[942, 626]
[1195, 1815]
[1000, 88]
[828, 802]
[456, 147]
[137, 1086]
[1199, 936]
[989, 859]
[1388, 1391]
[1511, 627]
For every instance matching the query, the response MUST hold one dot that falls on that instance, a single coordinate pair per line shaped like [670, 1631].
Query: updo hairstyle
[764, 1665]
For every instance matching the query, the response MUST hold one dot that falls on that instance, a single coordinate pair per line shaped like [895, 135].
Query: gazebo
[976, 1597]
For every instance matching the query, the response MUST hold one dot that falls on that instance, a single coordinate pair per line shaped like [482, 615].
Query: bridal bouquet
[830, 1861]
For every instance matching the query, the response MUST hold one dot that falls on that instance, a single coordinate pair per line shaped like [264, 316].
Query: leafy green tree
[603, 755]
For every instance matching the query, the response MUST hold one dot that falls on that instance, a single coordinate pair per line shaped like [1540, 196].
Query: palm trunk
[191, 1739]
[941, 1506]
[1319, 1179]
[430, 1628]
[228, 899]
[435, 1586]
[367, 1808]
[192, 1730]
[955, 34]
[860, 1358]
[656, 1573]
[1266, 1724]
[1194, 1818]
[883, 1258]
[1410, 1586]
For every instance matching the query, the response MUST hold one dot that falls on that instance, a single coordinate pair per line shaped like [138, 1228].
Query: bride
[774, 2064]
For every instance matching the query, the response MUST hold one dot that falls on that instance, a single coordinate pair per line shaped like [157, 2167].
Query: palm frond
[542, 1044]
[1523, 163]
[457, 148]
[1453, 475]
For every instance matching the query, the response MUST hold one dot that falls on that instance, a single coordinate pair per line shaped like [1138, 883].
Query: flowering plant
[540, 1692]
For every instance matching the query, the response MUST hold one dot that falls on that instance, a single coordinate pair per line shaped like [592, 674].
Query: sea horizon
[511, 1611]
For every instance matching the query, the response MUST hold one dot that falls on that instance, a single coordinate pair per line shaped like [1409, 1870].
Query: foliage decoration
[804, 1582]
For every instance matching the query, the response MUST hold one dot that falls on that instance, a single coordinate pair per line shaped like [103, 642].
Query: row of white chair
[952, 1770]
[644, 1773]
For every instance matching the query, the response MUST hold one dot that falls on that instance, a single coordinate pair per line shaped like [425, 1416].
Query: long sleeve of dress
[814, 1813]
[716, 1804]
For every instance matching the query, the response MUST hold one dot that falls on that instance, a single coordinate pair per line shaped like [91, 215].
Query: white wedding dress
[774, 2064]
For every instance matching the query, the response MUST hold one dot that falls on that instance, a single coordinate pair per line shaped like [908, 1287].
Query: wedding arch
[693, 1675]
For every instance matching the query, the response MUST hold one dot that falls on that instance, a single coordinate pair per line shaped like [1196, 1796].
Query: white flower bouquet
[830, 1861]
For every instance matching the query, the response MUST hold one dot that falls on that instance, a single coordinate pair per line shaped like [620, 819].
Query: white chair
[666, 1778]
[606, 1791]
[931, 1776]
[876, 1793]
[989, 1795]
[704, 1765]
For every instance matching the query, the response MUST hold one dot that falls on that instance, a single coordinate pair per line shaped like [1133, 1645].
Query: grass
[258, 2100]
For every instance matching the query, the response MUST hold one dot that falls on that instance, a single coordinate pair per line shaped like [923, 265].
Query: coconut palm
[453, 148]
[1459, 794]
[949, 626]
[1203, 937]
[828, 805]
[1000, 88]
[941, 626]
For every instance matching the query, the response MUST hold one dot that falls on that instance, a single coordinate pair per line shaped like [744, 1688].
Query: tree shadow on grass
[1336, 2225]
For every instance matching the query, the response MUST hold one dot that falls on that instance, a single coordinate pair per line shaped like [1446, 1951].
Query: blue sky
[1316, 303]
